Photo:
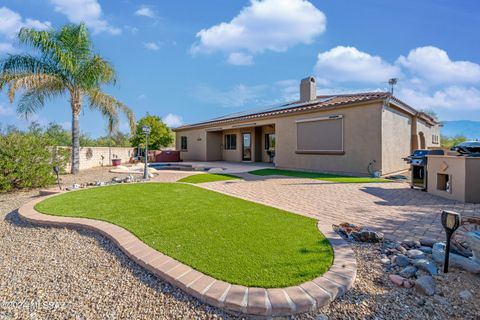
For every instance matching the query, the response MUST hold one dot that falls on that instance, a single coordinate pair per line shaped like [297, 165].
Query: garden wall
[100, 156]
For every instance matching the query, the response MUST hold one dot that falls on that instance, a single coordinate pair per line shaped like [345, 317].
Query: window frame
[183, 143]
[228, 145]
[268, 143]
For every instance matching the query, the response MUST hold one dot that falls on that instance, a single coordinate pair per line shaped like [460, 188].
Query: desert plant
[26, 161]
[65, 64]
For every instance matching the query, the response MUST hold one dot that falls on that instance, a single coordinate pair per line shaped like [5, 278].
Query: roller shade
[320, 135]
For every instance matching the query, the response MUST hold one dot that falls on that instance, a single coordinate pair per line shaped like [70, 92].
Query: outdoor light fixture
[56, 169]
[146, 132]
[450, 222]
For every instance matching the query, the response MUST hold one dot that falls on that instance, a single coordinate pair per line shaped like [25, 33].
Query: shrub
[26, 161]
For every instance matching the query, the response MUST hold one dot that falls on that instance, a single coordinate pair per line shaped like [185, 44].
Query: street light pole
[146, 132]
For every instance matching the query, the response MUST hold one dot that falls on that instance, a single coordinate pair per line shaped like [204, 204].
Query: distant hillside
[467, 128]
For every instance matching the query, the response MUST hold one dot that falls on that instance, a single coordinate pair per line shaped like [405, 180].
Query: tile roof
[323, 101]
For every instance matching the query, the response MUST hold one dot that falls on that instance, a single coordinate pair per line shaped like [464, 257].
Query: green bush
[26, 161]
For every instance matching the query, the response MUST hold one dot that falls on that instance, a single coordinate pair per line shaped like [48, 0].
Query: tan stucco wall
[428, 131]
[196, 144]
[370, 133]
[214, 146]
[456, 170]
[100, 156]
[362, 142]
[472, 185]
[396, 133]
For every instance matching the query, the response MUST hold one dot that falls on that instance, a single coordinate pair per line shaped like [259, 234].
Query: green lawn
[317, 176]
[208, 177]
[231, 239]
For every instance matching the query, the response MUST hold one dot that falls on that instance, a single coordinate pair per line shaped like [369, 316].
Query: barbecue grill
[418, 162]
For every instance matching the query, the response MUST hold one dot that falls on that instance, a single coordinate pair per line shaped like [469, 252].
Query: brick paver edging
[261, 302]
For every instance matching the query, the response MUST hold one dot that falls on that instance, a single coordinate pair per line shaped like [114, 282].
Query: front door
[247, 146]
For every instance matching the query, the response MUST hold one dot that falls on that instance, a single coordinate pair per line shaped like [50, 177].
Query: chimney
[308, 89]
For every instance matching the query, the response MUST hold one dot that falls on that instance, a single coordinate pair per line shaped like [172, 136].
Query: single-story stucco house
[344, 133]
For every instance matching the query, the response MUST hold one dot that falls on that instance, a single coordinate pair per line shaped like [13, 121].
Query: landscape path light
[450, 222]
[56, 169]
[146, 132]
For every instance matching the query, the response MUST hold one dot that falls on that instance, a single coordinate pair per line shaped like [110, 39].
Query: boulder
[408, 272]
[402, 261]
[455, 260]
[427, 250]
[427, 242]
[215, 170]
[415, 254]
[425, 285]
[411, 243]
[426, 265]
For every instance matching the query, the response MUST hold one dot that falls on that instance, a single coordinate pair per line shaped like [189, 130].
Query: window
[270, 141]
[435, 139]
[230, 142]
[320, 135]
[183, 143]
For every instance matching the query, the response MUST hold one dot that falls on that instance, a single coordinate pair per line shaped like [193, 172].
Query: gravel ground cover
[51, 273]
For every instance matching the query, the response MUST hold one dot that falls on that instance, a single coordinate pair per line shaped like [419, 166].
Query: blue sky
[188, 61]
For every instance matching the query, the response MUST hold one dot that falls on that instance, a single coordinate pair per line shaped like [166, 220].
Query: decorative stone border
[251, 301]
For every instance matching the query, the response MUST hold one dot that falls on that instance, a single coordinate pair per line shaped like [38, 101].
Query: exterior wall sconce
[450, 222]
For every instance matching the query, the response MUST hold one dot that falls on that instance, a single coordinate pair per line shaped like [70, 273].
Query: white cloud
[452, 97]
[240, 59]
[172, 120]
[11, 22]
[434, 64]
[348, 64]
[274, 25]
[132, 30]
[151, 46]
[87, 11]
[145, 11]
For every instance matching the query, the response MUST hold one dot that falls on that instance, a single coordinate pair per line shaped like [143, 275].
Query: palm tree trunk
[76, 105]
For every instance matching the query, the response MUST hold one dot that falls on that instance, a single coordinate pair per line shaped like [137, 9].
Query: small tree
[160, 134]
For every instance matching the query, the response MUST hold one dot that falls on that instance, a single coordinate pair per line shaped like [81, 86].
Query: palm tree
[65, 64]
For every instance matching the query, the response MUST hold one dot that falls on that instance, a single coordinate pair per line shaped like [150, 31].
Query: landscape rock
[357, 233]
[427, 250]
[465, 294]
[402, 261]
[455, 260]
[385, 260]
[415, 254]
[426, 265]
[396, 279]
[408, 284]
[427, 242]
[408, 272]
[425, 285]
[411, 243]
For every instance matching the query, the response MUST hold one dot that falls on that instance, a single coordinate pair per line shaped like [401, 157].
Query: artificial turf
[317, 176]
[208, 177]
[228, 238]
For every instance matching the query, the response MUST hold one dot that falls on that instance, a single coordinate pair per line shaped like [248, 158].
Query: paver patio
[392, 208]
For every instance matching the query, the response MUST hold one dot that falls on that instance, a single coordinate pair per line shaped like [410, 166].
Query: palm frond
[31, 82]
[109, 107]
[95, 71]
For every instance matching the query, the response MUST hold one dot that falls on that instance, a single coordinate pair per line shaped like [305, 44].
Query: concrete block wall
[100, 156]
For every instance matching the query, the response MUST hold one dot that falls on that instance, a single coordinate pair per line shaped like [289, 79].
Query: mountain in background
[469, 129]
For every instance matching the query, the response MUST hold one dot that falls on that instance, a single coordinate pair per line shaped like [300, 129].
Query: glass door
[247, 146]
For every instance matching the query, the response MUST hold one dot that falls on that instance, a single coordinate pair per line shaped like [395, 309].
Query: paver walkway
[392, 208]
